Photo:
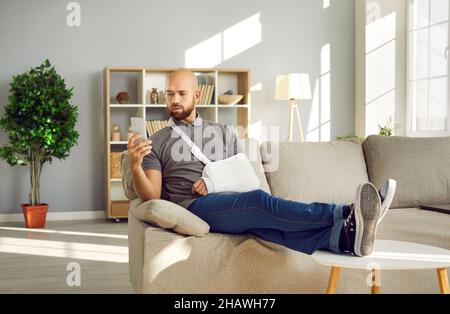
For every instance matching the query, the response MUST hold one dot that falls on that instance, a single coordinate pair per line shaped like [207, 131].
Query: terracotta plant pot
[35, 215]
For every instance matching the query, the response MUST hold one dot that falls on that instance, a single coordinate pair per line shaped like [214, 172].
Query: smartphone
[138, 126]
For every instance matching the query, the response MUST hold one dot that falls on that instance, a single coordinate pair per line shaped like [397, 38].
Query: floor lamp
[293, 87]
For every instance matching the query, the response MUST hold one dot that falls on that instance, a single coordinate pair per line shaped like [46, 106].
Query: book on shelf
[154, 126]
[202, 94]
[150, 126]
[205, 100]
[153, 123]
[210, 94]
[149, 131]
[206, 93]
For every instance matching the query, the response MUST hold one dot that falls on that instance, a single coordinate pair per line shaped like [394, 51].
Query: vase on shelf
[154, 96]
[123, 98]
[116, 134]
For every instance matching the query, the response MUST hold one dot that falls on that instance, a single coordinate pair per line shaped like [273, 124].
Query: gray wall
[157, 33]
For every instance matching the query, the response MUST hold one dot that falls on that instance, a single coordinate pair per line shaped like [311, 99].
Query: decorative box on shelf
[115, 165]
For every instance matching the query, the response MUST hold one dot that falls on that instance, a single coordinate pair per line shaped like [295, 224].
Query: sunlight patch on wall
[319, 123]
[380, 32]
[380, 77]
[256, 88]
[225, 45]
[206, 54]
[241, 36]
[313, 133]
[325, 93]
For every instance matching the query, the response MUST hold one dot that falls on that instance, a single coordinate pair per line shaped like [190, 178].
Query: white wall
[294, 36]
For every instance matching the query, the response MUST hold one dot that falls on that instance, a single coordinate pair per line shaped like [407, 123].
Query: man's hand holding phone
[137, 149]
[138, 145]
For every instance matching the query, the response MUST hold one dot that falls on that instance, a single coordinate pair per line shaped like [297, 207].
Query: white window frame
[408, 130]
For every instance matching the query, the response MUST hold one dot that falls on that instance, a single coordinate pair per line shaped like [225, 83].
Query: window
[428, 68]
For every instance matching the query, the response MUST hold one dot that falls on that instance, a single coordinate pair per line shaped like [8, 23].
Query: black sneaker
[358, 233]
[386, 192]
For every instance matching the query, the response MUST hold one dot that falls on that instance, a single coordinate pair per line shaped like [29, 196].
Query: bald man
[163, 167]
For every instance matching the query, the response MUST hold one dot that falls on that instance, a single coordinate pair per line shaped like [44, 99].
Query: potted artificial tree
[40, 122]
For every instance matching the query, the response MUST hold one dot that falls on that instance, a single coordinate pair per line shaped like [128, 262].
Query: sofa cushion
[171, 216]
[416, 225]
[421, 167]
[253, 153]
[314, 172]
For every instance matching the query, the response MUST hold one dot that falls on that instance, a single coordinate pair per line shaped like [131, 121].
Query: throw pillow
[171, 216]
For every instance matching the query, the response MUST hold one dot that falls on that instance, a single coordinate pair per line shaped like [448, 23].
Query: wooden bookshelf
[138, 82]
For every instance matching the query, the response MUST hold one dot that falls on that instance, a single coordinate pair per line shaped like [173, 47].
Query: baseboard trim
[80, 215]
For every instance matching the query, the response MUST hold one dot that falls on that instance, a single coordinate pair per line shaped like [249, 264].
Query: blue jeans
[299, 226]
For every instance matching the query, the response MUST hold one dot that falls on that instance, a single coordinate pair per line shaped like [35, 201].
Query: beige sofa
[162, 261]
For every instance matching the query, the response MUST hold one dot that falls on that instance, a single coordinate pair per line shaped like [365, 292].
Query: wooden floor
[35, 260]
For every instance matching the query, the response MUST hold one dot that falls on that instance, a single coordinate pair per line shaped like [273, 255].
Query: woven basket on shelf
[115, 165]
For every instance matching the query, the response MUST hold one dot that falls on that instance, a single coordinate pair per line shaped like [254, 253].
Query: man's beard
[183, 114]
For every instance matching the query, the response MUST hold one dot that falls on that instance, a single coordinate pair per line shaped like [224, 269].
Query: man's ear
[197, 96]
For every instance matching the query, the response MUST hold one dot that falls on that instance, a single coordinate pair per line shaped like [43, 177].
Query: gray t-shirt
[180, 169]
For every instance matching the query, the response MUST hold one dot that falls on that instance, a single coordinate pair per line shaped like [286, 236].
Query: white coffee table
[389, 255]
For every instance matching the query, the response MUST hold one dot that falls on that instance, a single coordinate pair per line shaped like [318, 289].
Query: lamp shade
[293, 86]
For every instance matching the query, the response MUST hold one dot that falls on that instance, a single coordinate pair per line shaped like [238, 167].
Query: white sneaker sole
[388, 198]
[367, 211]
